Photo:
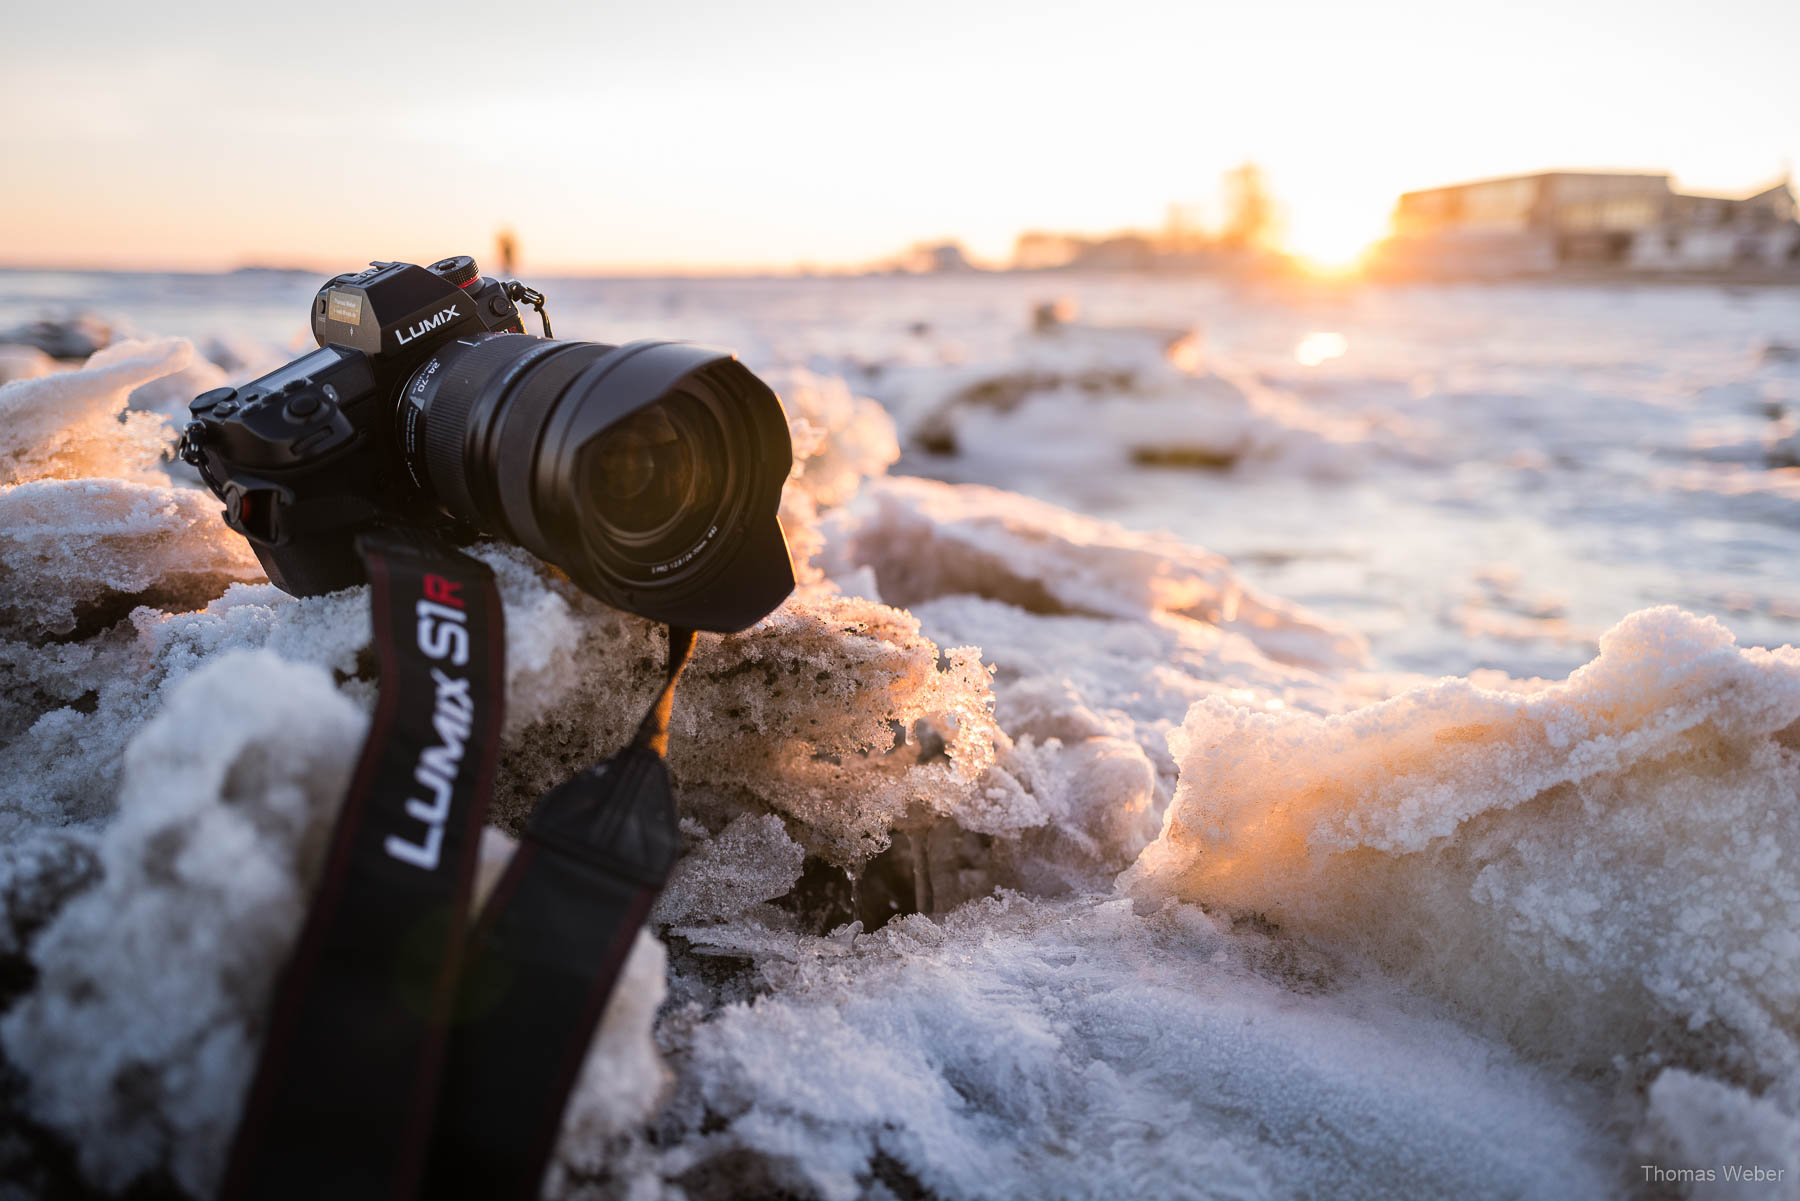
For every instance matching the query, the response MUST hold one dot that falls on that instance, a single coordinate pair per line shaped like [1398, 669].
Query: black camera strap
[343, 1096]
[544, 958]
[402, 1059]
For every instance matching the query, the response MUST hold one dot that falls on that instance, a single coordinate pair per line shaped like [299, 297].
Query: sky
[709, 136]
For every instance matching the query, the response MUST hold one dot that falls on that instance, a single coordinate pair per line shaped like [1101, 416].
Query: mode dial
[459, 269]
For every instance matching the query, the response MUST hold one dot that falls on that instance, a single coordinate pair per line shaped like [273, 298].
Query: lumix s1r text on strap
[344, 1094]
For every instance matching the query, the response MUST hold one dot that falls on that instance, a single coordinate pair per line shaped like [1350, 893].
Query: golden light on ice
[1320, 345]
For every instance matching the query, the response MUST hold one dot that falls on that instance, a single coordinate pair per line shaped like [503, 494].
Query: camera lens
[655, 473]
[650, 473]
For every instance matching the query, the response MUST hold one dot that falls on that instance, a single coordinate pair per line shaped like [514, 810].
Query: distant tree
[1249, 209]
[1183, 228]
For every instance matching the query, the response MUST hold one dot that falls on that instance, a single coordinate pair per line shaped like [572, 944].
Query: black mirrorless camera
[649, 472]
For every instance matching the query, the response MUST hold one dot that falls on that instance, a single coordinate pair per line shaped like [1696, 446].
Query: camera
[650, 473]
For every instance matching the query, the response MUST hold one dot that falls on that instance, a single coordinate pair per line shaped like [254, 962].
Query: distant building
[1533, 224]
[936, 258]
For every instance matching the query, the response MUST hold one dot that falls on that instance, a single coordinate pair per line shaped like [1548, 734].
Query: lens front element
[655, 481]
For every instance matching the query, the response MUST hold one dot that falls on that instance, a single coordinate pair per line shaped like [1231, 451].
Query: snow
[138, 1037]
[1696, 1121]
[1602, 870]
[1216, 895]
[1028, 1048]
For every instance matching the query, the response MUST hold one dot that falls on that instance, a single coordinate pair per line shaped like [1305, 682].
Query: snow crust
[1206, 906]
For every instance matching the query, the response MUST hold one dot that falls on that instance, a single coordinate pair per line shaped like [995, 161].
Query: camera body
[307, 455]
[650, 473]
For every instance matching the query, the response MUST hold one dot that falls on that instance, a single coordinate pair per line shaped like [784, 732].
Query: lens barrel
[651, 473]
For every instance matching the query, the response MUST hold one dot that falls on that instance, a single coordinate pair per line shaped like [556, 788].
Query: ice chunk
[1099, 802]
[169, 394]
[88, 526]
[752, 859]
[1070, 676]
[1077, 397]
[925, 539]
[840, 439]
[796, 715]
[1603, 867]
[74, 424]
[83, 552]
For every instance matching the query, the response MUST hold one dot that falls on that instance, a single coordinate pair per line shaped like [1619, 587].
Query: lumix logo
[443, 635]
[430, 323]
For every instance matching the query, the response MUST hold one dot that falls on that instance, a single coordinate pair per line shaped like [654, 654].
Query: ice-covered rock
[139, 1038]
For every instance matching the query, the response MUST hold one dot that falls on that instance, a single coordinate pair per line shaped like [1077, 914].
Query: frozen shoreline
[1381, 935]
[1472, 477]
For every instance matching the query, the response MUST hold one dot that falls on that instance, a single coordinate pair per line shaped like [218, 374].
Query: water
[1539, 460]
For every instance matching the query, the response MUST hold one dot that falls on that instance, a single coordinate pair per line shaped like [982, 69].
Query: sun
[1331, 242]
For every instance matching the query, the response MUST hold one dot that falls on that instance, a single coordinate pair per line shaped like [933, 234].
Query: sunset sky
[698, 136]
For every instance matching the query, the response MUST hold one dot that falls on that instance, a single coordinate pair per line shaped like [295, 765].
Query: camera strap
[342, 1100]
[402, 1058]
[544, 958]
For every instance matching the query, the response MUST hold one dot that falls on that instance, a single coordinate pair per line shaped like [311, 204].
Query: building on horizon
[1596, 220]
[935, 258]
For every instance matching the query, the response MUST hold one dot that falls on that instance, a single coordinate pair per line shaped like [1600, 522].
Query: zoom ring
[463, 376]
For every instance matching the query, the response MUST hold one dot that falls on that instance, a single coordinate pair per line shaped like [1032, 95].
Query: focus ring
[467, 372]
